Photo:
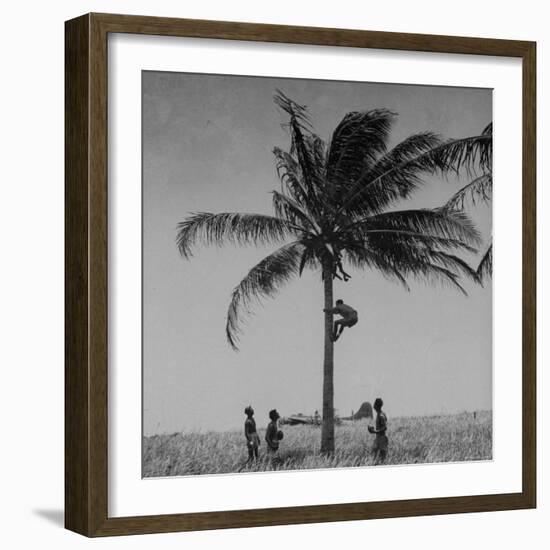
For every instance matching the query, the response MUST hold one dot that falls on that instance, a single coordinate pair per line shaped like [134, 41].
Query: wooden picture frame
[86, 294]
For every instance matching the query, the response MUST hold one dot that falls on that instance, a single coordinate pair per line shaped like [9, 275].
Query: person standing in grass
[273, 437]
[252, 437]
[380, 447]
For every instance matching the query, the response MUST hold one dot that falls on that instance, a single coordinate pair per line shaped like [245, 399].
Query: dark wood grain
[98, 286]
[77, 459]
[529, 275]
[164, 26]
[86, 215]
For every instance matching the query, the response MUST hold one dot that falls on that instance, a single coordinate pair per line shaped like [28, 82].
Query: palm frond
[405, 151]
[289, 209]
[430, 272]
[288, 171]
[317, 148]
[290, 174]
[454, 263]
[479, 189]
[401, 179]
[415, 243]
[405, 262]
[485, 267]
[235, 228]
[391, 184]
[289, 106]
[436, 222]
[416, 238]
[263, 280]
[308, 259]
[302, 141]
[359, 258]
[471, 153]
[356, 144]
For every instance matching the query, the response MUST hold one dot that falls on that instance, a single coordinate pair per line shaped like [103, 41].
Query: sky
[207, 146]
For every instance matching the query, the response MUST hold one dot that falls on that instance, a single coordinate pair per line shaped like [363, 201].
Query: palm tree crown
[333, 210]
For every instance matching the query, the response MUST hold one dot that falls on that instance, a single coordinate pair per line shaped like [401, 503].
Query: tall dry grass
[412, 440]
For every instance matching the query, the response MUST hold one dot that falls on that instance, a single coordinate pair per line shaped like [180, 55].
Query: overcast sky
[207, 146]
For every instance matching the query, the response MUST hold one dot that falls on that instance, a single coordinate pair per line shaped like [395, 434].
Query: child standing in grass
[272, 437]
[252, 437]
[380, 447]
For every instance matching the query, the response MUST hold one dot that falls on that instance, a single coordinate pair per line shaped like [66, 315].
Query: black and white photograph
[316, 274]
[274, 276]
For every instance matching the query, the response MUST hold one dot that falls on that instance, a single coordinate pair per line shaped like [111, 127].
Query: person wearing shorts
[348, 319]
[273, 437]
[380, 446]
[251, 435]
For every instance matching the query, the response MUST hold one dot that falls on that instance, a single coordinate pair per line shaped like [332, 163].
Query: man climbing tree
[348, 315]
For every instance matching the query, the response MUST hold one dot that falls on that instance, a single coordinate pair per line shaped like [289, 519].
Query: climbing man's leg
[335, 333]
[340, 325]
[338, 329]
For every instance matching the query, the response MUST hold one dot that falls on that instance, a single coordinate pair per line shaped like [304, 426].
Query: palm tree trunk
[327, 433]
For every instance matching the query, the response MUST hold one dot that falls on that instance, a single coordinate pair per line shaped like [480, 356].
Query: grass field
[412, 440]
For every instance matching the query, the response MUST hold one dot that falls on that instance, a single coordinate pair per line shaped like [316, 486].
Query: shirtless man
[251, 435]
[380, 447]
[349, 318]
[273, 437]
[272, 431]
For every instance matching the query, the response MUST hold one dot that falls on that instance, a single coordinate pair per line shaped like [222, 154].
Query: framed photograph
[300, 275]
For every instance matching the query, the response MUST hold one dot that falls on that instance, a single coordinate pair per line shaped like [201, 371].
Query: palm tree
[334, 209]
